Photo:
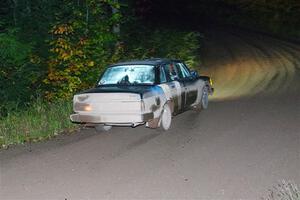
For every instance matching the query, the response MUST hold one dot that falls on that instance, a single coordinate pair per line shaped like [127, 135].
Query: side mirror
[194, 74]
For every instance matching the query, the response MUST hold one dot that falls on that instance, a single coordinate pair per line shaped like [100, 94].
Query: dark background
[279, 17]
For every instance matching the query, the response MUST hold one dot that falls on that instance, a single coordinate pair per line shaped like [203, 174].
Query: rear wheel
[166, 118]
[102, 128]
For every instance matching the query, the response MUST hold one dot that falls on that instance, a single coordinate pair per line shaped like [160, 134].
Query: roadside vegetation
[51, 50]
[41, 120]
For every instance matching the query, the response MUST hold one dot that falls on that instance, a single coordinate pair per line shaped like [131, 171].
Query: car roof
[152, 61]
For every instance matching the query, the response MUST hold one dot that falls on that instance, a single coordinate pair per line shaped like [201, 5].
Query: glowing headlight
[210, 81]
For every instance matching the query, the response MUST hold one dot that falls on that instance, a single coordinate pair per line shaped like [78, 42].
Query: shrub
[17, 74]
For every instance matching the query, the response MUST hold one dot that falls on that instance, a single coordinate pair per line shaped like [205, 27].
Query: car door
[171, 86]
[188, 84]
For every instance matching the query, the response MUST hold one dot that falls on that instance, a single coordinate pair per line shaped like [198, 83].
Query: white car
[142, 92]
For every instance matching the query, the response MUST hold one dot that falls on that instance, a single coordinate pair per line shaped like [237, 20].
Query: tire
[203, 104]
[166, 118]
[204, 98]
[102, 128]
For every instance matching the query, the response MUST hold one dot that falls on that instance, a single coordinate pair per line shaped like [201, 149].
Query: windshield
[128, 74]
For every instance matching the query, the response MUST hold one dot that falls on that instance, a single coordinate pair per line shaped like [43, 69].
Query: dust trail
[243, 64]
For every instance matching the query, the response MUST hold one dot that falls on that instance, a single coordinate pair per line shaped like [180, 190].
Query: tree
[83, 44]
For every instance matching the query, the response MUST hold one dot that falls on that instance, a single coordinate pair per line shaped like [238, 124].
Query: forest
[49, 50]
[277, 17]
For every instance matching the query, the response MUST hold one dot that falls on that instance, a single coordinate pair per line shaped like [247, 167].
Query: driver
[124, 80]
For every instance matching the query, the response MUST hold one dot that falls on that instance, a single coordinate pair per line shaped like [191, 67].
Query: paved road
[240, 147]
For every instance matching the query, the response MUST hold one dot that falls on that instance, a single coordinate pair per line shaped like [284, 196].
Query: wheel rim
[205, 98]
[166, 118]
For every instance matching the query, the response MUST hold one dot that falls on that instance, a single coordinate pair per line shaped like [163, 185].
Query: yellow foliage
[91, 64]
[64, 56]
[74, 56]
[62, 29]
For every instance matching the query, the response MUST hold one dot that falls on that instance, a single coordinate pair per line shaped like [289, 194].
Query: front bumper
[112, 119]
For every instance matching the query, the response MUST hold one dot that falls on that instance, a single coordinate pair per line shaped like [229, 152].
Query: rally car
[145, 92]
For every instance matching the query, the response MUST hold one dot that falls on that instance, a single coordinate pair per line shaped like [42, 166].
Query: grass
[38, 122]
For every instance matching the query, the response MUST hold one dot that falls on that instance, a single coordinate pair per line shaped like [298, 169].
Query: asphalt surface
[247, 140]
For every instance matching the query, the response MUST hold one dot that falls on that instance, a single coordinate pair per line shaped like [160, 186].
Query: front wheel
[204, 98]
[203, 104]
[166, 118]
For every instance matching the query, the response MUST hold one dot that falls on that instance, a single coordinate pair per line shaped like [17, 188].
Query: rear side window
[171, 71]
[162, 75]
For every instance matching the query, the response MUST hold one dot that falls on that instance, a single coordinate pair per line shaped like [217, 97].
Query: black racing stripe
[137, 89]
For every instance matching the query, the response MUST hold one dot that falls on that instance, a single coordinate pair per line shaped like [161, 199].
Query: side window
[170, 71]
[185, 71]
[162, 75]
[179, 70]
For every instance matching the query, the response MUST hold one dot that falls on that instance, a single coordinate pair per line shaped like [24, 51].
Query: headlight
[210, 81]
